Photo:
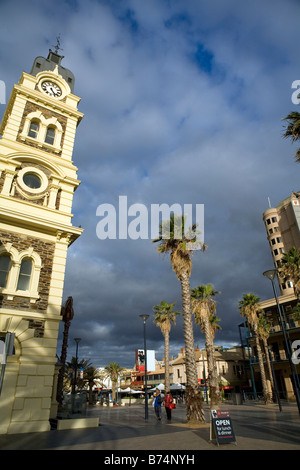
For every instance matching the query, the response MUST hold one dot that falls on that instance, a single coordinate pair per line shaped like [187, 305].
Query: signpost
[221, 427]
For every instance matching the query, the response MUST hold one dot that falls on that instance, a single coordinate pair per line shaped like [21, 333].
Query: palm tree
[164, 316]
[91, 374]
[113, 371]
[264, 328]
[204, 308]
[296, 312]
[250, 309]
[290, 268]
[293, 129]
[182, 265]
[73, 366]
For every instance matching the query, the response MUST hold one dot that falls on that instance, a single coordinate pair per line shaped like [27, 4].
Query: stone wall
[45, 250]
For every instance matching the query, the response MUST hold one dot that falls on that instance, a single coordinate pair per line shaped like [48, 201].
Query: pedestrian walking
[157, 403]
[169, 405]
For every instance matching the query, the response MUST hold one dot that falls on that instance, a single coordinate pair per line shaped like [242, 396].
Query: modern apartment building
[282, 225]
[283, 232]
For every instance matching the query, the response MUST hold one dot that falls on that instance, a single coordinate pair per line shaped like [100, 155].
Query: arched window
[50, 135]
[34, 128]
[25, 275]
[5, 264]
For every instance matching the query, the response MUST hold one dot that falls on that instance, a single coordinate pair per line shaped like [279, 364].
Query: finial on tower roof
[57, 47]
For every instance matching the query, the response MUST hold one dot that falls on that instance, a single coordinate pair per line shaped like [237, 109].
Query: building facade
[231, 369]
[283, 232]
[37, 184]
[282, 225]
[280, 346]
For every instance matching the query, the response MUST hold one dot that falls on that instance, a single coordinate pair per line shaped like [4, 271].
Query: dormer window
[34, 129]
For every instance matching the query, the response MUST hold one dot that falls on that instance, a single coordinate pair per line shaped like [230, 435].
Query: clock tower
[37, 184]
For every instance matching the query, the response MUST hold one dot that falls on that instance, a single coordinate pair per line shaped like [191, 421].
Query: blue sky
[183, 103]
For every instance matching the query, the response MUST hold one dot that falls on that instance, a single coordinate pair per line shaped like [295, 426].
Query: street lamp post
[270, 274]
[145, 318]
[77, 340]
[75, 374]
[274, 379]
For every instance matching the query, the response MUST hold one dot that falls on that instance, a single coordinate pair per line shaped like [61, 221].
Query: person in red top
[168, 400]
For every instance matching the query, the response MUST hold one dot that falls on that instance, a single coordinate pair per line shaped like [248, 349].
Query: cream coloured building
[283, 232]
[231, 367]
[37, 184]
[282, 225]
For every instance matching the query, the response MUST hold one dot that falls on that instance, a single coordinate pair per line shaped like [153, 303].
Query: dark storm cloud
[183, 102]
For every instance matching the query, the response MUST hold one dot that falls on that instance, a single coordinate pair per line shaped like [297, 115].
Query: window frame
[40, 139]
[9, 268]
[11, 290]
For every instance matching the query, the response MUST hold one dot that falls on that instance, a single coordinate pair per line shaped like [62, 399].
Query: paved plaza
[256, 427]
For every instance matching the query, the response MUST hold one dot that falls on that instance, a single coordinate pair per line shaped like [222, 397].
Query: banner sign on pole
[221, 427]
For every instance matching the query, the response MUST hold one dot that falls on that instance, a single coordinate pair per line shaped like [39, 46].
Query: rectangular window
[50, 136]
[33, 129]
[5, 264]
[25, 274]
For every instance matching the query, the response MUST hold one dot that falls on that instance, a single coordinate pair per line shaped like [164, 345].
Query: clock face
[51, 89]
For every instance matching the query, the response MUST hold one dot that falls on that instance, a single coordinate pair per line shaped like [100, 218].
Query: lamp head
[144, 318]
[270, 274]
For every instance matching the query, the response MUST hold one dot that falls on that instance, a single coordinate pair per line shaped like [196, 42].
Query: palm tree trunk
[211, 364]
[194, 409]
[167, 367]
[91, 383]
[265, 342]
[267, 397]
[113, 389]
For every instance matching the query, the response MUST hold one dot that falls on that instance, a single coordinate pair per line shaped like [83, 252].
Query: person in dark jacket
[168, 400]
[157, 403]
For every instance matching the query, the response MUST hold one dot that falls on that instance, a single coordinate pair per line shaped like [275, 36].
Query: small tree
[204, 308]
[250, 309]
[113, 371]
[263, 330]
[164, 316]
[90, 376]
